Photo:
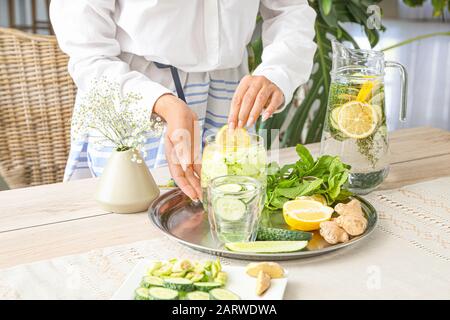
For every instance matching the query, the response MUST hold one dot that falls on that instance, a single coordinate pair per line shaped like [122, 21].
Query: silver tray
[187, 223]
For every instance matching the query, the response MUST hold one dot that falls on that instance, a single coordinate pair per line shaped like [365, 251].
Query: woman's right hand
[182, 143]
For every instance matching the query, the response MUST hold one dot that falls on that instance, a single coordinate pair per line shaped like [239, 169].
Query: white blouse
[194, 36]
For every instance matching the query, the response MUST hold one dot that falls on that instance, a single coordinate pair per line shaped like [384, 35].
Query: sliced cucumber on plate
[181, 284]
[277, 234]
[197, 295]
[152, 281]
[223, 294]
[266, 246]
[207, 286]
[230, 209]
[141, 294]
[157, 293]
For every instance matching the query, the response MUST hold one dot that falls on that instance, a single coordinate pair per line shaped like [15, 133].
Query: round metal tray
[187, 223]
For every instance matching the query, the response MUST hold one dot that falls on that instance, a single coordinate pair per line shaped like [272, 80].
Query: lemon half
[306, 215]
[237, 138]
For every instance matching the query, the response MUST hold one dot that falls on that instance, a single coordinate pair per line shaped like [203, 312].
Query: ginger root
[353, 224]
[273, 269]
[332, 233]
[351, 208]
[262, 282]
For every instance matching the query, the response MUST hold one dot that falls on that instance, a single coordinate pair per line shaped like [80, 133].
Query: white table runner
[406, 257]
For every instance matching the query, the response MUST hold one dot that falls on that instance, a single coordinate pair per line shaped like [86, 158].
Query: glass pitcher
[355, 124]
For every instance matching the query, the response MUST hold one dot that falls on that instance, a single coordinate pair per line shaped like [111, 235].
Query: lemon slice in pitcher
[357, 120]
[366, 91]
[234, 139]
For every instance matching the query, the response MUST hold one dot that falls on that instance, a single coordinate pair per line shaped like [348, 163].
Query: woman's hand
[182, 143]
[254, 95]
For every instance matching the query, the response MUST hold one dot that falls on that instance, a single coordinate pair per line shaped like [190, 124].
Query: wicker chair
[37, 95]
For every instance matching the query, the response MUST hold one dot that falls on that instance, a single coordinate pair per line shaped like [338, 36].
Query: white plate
[238, 282]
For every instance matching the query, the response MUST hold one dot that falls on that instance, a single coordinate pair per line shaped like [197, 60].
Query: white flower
[115, 117]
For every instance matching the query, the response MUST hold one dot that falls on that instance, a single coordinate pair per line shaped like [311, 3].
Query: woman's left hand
[254, 95]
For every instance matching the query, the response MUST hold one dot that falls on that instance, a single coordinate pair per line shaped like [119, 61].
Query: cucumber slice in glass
[229, 187]
[334, 117]
[230, 209]
[223, 294]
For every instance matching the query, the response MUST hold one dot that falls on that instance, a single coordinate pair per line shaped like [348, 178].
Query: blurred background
[427, 62]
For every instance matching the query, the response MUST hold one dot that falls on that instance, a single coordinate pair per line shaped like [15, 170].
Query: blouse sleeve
[86, 32]
[287, 34]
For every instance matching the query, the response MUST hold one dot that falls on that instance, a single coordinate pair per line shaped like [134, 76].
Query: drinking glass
[234, 207]
[219, 160]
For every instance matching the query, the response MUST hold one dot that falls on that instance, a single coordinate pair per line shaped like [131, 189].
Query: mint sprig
[325, 175]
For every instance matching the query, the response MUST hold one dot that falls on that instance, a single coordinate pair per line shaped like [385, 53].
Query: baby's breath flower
[116, 118]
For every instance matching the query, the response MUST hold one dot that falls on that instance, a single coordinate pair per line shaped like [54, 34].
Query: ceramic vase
[126, 184]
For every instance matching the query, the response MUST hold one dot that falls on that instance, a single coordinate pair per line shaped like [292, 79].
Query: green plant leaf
[306, 188]
[328, 13]
[305, 156]
[438, 7]
[326, 6]
[414, 3]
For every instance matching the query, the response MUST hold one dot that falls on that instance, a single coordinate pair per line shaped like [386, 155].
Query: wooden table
[61, 219]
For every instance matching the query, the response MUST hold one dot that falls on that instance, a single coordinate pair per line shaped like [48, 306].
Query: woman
[188, 61]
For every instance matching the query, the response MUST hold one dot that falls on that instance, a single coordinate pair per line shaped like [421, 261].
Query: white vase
[126, 186]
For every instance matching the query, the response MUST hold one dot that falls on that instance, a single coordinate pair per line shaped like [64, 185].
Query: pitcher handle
[404, 84]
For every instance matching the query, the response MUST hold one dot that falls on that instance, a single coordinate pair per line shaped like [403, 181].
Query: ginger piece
[262, 282]
[273, 269]
[351, 208]
[353, 224]
[332, 233]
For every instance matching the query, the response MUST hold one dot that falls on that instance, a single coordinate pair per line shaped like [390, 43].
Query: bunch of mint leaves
[326, 176]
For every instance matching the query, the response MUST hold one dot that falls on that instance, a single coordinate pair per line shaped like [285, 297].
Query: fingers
[190, 184]
[253, 94]
[236, 102]
[276, 100]
[194, 181]
[247, 103]
[181, 147]
[182, 182]
[262, 100]
[196, 142]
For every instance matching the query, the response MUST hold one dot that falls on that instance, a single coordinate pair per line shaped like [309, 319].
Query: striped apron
[208, 94]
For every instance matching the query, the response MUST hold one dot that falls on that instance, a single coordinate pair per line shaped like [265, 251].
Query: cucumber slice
[334, 117]
[197, 277]
[197, 295]
[207, 286]
[230, 209]
[181, 284]
[141, 294]
[276, 234]
[223, 294]
[157, 293]
[230, 187]
[152, 281]
[249, 187]
[267, 246]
